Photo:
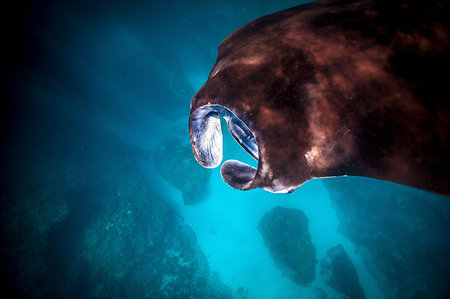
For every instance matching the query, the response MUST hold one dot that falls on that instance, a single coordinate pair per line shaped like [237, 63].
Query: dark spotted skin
[342, 88]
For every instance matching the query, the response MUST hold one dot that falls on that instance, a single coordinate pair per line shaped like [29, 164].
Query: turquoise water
[101, 196]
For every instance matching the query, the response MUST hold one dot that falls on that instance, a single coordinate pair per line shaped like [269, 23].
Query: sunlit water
[129, 70]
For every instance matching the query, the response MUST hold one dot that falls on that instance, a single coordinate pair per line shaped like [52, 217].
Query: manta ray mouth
[207, 144]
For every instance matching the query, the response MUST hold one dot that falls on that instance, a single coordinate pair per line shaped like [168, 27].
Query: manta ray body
[332, 88]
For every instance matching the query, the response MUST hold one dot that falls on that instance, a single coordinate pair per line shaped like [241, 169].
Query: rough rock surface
[402, 235]
[175, 162]
[141, 249]
[285, 233]
[340, 273]
[80, 221]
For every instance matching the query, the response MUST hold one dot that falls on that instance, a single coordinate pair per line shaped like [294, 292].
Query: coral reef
[286, 235]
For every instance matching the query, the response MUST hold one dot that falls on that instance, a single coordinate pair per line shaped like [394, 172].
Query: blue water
[91, 92]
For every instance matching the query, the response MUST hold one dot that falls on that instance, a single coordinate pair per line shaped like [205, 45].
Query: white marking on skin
[252, 60]
[218, 68]
[265, 171]
[311, 156]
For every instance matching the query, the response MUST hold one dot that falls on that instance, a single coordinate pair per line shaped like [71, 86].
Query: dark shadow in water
[62, 254]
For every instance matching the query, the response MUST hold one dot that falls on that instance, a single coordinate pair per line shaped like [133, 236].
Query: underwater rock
[285, 233]
[242, 292]
[320, 294]
[400, 233]
[143, 250]
[34, 179]
[79, 224]
[340, 272]
[27, 212]
[175, 163]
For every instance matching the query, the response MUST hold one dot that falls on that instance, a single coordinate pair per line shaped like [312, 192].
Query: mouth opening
[240, 131]
[207, 144]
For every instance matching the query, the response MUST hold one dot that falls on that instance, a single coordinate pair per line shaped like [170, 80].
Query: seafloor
[100, 196]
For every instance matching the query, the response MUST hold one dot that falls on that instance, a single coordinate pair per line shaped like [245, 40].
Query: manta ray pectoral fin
[238, 175]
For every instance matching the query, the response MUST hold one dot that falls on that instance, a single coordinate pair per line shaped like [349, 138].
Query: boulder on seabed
[175, 162]
[398, 232]
[340, 273]
[320, 293]
[285, 233]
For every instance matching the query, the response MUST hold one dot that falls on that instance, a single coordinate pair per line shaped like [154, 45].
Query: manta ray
[332, 88]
